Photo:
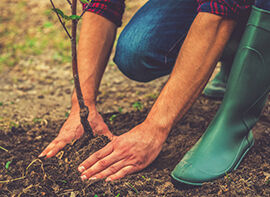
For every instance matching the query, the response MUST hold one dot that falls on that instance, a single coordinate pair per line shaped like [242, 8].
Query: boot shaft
[249, 80]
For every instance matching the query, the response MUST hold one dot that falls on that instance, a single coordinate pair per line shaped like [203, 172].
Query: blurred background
[35, 66]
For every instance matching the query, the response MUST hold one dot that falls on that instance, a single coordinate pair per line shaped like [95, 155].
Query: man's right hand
[73, 130]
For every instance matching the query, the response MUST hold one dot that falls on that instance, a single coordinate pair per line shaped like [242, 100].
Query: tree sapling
[84, 111]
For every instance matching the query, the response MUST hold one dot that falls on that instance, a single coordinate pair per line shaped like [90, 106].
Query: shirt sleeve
[110, 9]
[225, 8]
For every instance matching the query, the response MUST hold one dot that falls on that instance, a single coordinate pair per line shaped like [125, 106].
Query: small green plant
[1, 104]
[151, 96]
[8, 164]
[120, 109]
[13, 125]
[63, 181]
[66, 114]
[26, 172]
[111, 119]
[227, 178]
[133, 188]
[37, 120]
[137, 105]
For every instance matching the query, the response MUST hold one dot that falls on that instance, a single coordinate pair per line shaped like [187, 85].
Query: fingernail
[83, 177]
[93, 178]
[41, 155]
[81, 168]
[49, 154]
[108, 179]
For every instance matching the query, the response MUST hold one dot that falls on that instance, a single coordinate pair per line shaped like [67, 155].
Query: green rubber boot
[229, 136]
[217, 87]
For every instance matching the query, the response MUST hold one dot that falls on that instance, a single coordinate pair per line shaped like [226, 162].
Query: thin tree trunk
[84, 111]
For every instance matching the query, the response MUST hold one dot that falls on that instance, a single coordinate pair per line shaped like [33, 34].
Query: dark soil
[28, 176]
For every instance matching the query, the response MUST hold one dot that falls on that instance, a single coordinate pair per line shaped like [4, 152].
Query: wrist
[158, 130]
[75, 108]
[159, 122]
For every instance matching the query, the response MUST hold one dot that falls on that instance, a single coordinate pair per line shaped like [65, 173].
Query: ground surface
[28, 176]
[35, 89]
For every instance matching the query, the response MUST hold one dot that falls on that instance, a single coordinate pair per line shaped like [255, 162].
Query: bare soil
[28, 176]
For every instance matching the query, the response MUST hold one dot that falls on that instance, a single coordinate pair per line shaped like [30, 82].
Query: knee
[131, 56]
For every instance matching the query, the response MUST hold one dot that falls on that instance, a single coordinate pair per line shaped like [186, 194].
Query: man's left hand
[125, 154]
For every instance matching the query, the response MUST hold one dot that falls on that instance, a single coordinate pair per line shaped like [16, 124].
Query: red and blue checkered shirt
[114, 9]
[226, 8]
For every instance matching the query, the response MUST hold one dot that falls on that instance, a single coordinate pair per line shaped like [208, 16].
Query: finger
[56, 148]
[122, 173]
[101, 165]
[110, 170]
[109, 134]
[102, 129]
[48, 148]
[108, 149]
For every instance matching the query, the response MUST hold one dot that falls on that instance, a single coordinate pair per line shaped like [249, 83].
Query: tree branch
[59, 18]
[69, 2]
[87, 7]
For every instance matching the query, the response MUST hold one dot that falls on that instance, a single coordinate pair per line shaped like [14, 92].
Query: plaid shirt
[114, 9]
[226, 8]
[111, 9]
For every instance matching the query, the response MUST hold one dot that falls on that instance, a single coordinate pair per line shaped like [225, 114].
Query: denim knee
[132, 57]
[148, 46]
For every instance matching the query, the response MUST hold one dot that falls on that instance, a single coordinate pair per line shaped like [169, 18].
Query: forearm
[195, 63]
[96, 40]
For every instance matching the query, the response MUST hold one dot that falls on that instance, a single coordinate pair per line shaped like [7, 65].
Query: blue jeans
[263, 4]
[148, 46]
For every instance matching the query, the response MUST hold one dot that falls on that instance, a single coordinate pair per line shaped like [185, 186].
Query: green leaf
[132, 187]
[84, 1]
[66, 114]
[47, 25]
[61, 13]
[58, 11]
[120, 109]
[117, 195]
[37, 120]
[112, 117]
[7, 164]
[74, 17]
[137, 105]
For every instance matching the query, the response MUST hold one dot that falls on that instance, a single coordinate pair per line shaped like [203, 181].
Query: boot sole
[232, 169]
[214, 94]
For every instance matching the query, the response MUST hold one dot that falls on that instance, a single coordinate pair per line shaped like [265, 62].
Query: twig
[3, 148]
[59, 18]
[26, 172]
[84, 111]
[69, 2]
[88, 6]
[11, 180]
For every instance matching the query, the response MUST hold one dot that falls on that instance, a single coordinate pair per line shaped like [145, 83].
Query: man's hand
[125, 154]
[73, 130]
